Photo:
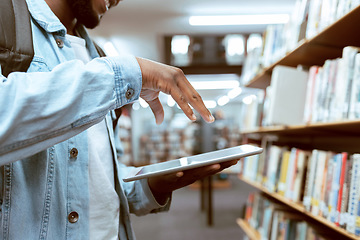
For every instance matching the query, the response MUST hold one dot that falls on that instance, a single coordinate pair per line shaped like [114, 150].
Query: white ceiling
[143, 22]
[171, 16]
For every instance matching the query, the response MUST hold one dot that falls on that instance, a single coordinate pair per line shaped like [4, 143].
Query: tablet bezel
[213, 157]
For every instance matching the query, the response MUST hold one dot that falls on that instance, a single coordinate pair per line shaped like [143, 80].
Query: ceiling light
[238, 19]
[223, 100]
[233, 93]
[208, 85]
[249, 99]
[210, 104]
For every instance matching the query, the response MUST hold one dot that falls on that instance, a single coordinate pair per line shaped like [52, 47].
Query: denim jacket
[43, 141]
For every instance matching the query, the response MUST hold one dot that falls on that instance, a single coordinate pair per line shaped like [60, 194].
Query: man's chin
[90, 23]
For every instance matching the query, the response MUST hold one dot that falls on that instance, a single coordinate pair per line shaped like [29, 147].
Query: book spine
[300, 173]
[318, 180]
[291, 173]
[284, 173]
[329, 180]
[354, 194]
[341, 186]
[335, 188]
[309, 183]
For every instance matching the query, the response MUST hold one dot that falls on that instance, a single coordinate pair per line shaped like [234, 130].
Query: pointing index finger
[195, 100]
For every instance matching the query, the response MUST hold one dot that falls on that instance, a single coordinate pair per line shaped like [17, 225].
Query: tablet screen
[193, 161]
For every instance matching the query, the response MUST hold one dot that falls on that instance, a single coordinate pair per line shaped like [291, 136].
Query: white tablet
[195, 161]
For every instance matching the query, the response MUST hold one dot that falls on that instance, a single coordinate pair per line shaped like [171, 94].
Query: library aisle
[186, 221]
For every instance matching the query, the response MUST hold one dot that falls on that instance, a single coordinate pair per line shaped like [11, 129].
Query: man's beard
[83, 12]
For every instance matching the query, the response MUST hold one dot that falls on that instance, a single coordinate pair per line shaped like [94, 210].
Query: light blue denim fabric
[44, 115]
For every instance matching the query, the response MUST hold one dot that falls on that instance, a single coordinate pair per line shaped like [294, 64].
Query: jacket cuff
[128, 78]
[152, 203]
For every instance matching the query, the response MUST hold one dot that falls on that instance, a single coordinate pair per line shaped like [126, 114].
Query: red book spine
[341, 184]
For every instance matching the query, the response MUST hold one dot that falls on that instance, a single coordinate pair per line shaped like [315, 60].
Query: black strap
[16, 44]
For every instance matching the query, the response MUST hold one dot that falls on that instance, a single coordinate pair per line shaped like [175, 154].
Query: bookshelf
[336, 136]
[330, 136]
[249, 231]
[295, 206]
[327, 44]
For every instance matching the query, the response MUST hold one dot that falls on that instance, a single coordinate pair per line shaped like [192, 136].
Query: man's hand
[157, 77]
[162, 186]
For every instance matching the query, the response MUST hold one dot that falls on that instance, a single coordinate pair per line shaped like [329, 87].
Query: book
[331, 69]
[309, 100]
[275, 154]
[249, 207]
[265, 229]
[318, 182]
[283, 172]
[288, 90]
[354, 108]
[343, 156]
[325, 14]
[354, 194]
[291, 173]
[333, 201]
[349, 54]
[339, 95]
[329, 181]
[309, 182]
[322, 206]
[302, 162]
[314, 18]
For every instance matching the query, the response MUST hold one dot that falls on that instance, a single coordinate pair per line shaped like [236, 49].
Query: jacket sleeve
[140, 199]
[41, 109]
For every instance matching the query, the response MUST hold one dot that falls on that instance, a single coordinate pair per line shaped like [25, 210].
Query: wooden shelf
[346, 127]
[249, 231]
[212, 69]
[328, 44]
[301, 209]
[334, 136]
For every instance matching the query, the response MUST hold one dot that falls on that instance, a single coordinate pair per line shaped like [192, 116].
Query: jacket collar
[43, 15]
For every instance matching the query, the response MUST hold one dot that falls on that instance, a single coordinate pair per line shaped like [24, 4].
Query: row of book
[333, 91]
[322, 13]
[325, 182]
[276, 222]
[308, 19]
[325, 93]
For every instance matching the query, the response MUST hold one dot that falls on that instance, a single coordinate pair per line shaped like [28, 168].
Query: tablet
[195, 161]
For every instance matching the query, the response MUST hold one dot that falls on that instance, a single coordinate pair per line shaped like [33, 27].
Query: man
[58, 176]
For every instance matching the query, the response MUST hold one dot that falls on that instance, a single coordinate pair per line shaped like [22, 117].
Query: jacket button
[129, 93]
[59, 42]
[74, 152]
[73, 217]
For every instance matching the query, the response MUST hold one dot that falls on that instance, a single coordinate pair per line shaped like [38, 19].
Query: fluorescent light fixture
[249, 99]
[180, 44]
[143, 103]
[210, 104]
[218, 20]
[209, 85]
[223, 100]
[233, 93]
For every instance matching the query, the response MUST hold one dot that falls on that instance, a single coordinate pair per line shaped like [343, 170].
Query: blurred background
[218, 58]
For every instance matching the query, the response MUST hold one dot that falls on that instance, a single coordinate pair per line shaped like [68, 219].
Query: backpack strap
[16, 43]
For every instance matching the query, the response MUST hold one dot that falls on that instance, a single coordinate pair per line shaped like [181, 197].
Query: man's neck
[62, 10]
